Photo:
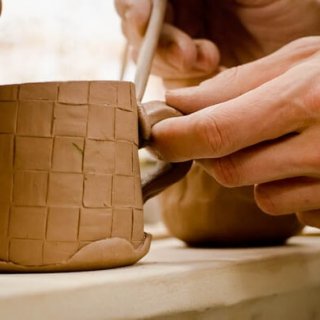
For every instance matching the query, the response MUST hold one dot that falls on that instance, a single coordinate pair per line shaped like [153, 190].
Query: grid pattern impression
[69, 171]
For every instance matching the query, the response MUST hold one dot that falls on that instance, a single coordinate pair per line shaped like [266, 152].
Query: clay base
[102, 254]
[202, 213]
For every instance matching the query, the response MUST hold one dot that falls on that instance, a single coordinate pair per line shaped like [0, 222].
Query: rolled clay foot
[202, 213]
[102, 254]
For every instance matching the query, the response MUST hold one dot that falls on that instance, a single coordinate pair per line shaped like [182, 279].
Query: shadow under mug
[71, 197]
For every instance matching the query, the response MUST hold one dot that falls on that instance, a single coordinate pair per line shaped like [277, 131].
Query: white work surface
[175, 282]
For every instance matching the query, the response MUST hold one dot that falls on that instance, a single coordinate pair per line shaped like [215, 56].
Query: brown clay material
[151, 113]
[70, 190]
[201, 212]
[167, 173]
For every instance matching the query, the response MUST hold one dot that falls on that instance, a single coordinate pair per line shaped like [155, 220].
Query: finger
[310, 218]
[266, 113]
[208, 56]
[176, 51]
[183, 58]
[290, 156]
[179, 57]
[238, 80]
[135, 15]
[288, 196]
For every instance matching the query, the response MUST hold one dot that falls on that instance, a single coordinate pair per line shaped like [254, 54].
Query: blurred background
[46, 40]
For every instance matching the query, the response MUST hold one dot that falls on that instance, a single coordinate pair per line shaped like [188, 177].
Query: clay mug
[70, 191]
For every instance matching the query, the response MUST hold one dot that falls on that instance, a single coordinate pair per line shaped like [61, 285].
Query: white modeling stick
[149, 46]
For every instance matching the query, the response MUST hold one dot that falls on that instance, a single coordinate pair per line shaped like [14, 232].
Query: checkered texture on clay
[69, 171]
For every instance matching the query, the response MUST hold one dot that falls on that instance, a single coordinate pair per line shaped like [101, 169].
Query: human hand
[256, 124]
[179, 60]
[243, 30]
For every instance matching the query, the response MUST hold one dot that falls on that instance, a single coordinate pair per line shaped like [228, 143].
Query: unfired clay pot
[70, 190]
[201, 212]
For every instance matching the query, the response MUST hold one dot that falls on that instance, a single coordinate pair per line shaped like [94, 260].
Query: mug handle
[151, 113]
[166, 173]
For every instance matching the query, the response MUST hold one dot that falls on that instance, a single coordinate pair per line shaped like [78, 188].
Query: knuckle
[265, 200]
[311, 161]
[313, 100]
[211, 132]
[226, 172]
